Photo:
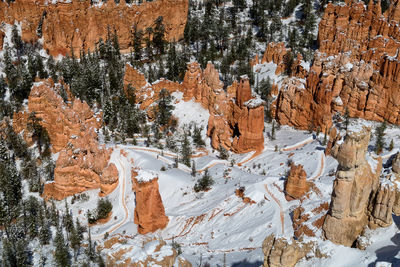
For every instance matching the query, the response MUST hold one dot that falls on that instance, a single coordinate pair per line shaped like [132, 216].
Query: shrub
[204, 183]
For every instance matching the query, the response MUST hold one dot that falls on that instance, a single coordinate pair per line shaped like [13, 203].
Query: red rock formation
[79, 25]
[296, 184]
[355, 68]
[82, 164]
[149, 210]
[236, 116]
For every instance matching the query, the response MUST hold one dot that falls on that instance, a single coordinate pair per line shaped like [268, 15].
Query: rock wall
[355, 69]
[354, 190]
[79, 25]
[149, 210]
[236, 116]
[296, 183]
[82, 164]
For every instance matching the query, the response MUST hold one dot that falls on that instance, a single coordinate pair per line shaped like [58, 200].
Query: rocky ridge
[75, 25]
[354, 69]
[82, 164]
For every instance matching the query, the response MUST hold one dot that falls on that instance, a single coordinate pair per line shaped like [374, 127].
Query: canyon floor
[217, 226]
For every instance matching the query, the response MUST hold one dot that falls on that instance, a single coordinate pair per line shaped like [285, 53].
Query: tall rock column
[149, 210]
[356, 181]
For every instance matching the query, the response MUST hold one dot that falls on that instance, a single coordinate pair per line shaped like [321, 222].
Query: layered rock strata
[355, 69]
[75, 25]
[149, 209]
[82, 163]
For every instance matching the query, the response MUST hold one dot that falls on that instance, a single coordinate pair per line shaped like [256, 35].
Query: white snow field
[217, 226]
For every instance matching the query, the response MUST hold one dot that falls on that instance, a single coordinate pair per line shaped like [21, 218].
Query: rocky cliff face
[296, 184]
[355, 186]
[282, 252]
[149, 210]
[82, 164]
[79, 25]
[355, 69]
[236, 116]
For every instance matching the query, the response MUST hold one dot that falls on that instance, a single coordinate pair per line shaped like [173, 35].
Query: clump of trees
[204, 183]
[104, 207]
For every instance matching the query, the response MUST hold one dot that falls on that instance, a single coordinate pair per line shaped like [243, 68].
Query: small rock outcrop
[67, 26]
[279, 252]
[82, 163]
[296, 184]
[149, 210]
[355, 186]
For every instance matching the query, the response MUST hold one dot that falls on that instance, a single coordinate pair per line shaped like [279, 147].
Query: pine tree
[61, 253]
[75, 241]
[159, 35]
[379, 135]
[197, 139]
[193, 173]
[90, 249]
[44, 232]
[164, 107]
[223, 153]
[186, 150]
[391, 146]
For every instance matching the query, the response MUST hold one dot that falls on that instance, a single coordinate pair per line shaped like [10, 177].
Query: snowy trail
[212, 164]
[298, 145]
[123, 175]
[281, 213]
[321, 167]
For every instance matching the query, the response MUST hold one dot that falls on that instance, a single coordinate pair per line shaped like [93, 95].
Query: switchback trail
[122, 201]
[281, 214]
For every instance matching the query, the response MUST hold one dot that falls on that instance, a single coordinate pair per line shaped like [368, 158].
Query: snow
[254, 103]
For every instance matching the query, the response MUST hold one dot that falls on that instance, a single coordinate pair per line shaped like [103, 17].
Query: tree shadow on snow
[388, 253]
[245, 263]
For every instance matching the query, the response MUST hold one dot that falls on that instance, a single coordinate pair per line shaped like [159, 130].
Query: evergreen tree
[193, 173]
[288, 60]
[164, 107]
[186, 150]
[61, 253]
[158, 36]
[197, 139]
[223, 153]
[391, 145]
[204, 183]
[379, 135]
